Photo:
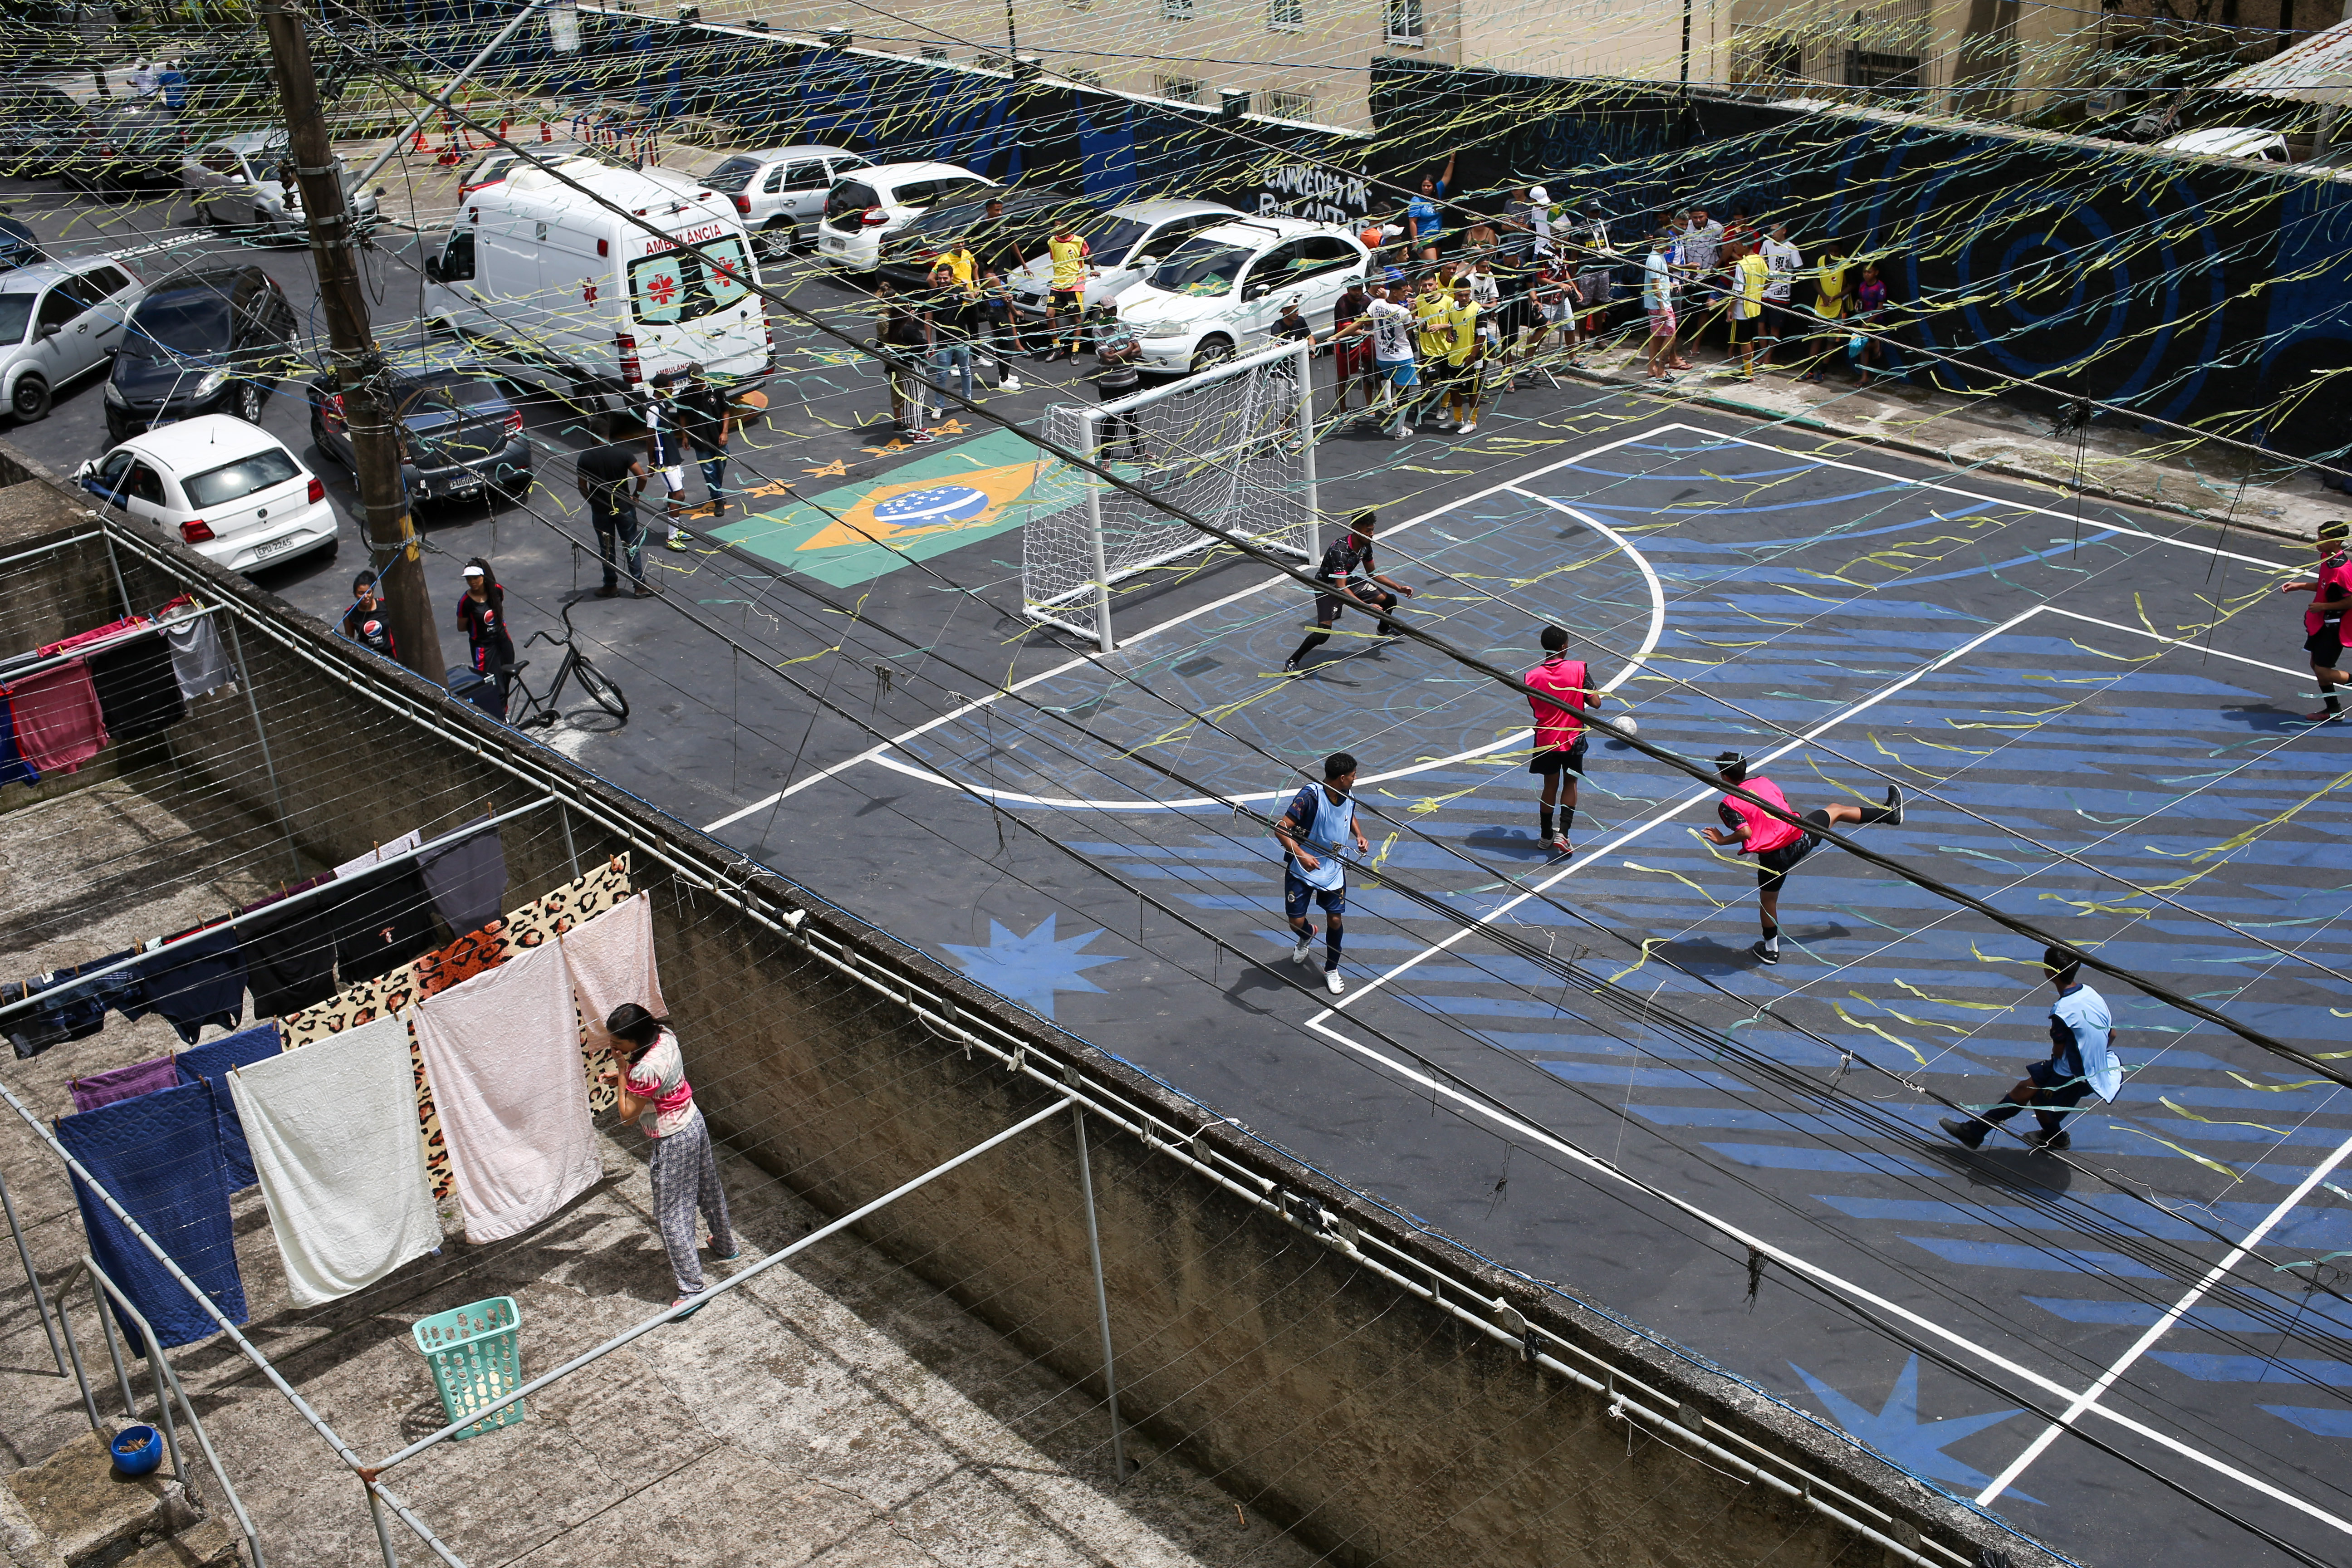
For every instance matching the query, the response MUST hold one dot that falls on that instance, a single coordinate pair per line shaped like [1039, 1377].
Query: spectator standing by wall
[1658, 304]
[708, 420]
[1782, 260]
[906, 337]
[1424, 218]
[1830, 303]
[482, 617]
[951, 307]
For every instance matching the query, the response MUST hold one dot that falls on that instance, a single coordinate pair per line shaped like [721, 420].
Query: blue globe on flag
[940, 506]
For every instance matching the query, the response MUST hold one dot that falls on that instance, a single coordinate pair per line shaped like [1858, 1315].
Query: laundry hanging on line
[123, 1083]
[209, 1064]
[612, 960]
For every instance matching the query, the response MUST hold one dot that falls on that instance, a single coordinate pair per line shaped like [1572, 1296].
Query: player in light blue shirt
[2080, 1063]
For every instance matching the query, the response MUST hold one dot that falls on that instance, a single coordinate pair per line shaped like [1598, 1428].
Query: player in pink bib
[1559, 755]
[1777, 845]
[2330, 588]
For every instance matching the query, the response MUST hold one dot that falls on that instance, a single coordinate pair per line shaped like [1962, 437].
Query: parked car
[127, 143]
[20, 246]
[243, 183]
[1127, 242]
[226, 487]
[2230, 141]
[499, 161]
[59, 319]
[1030, 213]
[780, 192]
[1219, 292]
[556, 289]
[41, 127]
[460, 436]
[200, 343]
[869, 206]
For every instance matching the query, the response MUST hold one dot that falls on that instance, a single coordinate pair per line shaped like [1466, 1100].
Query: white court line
[874, 754]
[1845, 1287]
[1591, 855]
[2089, 1397]
[1640, 657]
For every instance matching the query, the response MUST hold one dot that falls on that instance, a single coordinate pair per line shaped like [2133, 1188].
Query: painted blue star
[1897, 1432]
[1030, 969]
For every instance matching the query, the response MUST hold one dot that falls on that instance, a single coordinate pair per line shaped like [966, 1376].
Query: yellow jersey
[1829, 296]
[966, 265]
[1462, 328]
[1070, 257]
[1750, 275]
[1429, 312]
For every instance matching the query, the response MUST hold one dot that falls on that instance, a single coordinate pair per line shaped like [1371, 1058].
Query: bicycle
[542, 710]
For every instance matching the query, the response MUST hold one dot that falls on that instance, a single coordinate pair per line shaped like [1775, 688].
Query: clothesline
[11, 674]
[277, 907]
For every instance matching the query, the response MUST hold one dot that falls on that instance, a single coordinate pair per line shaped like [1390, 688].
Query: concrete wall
[1304, 1362]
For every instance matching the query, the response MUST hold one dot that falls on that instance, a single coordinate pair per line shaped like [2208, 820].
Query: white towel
[333, 1133]
[197, 661]
[612, 960]
[503, 1050]
[400, 845]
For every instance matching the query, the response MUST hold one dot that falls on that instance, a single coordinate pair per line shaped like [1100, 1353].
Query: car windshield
[951, 193]
[247, 476]
[1202, 267]
[1109, 237]
[16, 315]
[675, 286]
[733, 175]
[167, 329]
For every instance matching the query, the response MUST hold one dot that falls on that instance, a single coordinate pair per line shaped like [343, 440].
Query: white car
[59, 319]
[228, 490]
[235, 182]
[875, 203]
[2230, 141]
[1220, 291]
[1127, 242]
[780, 191]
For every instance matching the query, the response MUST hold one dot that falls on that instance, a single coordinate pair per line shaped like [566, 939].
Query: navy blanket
[209, 1064]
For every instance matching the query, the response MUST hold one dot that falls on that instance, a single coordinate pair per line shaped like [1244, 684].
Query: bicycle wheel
[601, 691]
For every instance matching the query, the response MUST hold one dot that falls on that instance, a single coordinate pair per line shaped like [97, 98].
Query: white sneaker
[1466, 430]
[1305, 948]
[1333, 982]
[1401, 432]
[1009, 383]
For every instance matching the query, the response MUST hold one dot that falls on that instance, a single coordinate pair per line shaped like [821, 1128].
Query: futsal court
[2095, 720]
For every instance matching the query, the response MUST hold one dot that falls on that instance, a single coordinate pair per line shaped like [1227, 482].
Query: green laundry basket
[475, 1359]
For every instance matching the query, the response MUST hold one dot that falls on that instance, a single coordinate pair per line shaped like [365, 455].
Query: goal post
[1233, 444]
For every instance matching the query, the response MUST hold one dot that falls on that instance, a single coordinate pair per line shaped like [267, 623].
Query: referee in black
[1334, 590]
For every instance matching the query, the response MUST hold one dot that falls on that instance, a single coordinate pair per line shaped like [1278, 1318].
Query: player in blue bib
[2080, 1063]
[1314, 833]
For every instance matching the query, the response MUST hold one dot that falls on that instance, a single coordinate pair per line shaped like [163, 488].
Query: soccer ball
[1627, 724]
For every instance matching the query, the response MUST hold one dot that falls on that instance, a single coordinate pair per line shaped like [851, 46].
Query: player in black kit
[1334, 591]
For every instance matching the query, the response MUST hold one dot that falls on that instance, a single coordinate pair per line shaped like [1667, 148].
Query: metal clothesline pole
[261, 737]
[276, 907]
[730, 1283]
[1102, 1298]
[32, 1277]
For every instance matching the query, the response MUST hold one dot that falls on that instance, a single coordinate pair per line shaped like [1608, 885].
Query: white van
[560, 292]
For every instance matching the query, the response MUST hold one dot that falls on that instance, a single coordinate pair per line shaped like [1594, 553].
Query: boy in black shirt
[707, 419]
[363, 623]
[604, 475]
[1334, 591]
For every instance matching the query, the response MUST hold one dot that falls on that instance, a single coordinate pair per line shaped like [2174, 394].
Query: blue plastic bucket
[137, 1450]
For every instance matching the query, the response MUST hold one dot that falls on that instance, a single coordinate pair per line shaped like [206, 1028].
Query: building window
[1403, 21]
[1766, 56]
[1881, 72]
[1290, 105]
[1286, 15]
[1175, 10]
[1182, 89]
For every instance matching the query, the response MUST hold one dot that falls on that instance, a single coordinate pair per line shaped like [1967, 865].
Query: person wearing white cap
[1539, 220]
[482, 617]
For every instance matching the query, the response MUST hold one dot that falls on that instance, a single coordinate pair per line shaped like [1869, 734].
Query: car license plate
[276, 546]
[833, 244]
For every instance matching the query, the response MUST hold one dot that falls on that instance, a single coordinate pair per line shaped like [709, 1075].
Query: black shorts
[1773, 866]
[1328, 606]
[1066, 298]
[2055, 1085]
[2325, 646]
[1552, 760]
[1742, 328]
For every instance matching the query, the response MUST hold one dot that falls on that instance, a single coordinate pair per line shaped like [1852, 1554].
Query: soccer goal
[1235, 445]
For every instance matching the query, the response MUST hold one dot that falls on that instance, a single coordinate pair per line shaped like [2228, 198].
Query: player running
[2323, 624]
[1335, 592]
[1073, 260]
[1560, 738]
[2082, 1062]
[1778, 846]
[1314, 832]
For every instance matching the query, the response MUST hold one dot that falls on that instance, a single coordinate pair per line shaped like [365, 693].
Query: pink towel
[124, 1083]
[58, 726]
[503, 1050]
[612, 960]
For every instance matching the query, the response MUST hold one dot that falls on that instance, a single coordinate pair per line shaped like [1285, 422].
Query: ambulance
[557, 290]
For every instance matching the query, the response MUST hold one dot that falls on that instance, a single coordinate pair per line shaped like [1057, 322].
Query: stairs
[72, 1510]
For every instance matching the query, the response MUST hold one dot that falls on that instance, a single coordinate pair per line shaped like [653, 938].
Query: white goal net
[1234, 446]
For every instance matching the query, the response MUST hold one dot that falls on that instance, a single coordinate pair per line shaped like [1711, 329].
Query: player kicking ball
[1314, 833]
[1778, 846]
[2082, 1062]
[1335, 587]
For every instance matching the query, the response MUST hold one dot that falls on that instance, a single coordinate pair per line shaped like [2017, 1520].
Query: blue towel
[160, 1156]
[209, 1064]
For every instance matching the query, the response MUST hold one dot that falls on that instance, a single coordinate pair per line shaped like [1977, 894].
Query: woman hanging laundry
[654, 1094]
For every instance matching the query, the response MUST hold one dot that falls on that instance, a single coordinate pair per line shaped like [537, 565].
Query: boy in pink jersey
[1559, 755]
[1778, 846]
[2323, 624]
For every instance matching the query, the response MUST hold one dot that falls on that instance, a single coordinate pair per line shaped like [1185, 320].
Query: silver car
[780, 191]
[1127, 242]
[59, 319]
[243, 182]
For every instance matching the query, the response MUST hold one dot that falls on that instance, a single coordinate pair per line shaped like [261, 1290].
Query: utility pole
[393, 548]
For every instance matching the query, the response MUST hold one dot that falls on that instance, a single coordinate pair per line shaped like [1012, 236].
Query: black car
[20, 246]
[202, 342]
[128, 144]
[460, 436]
[42, 129]
[1030, 216]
